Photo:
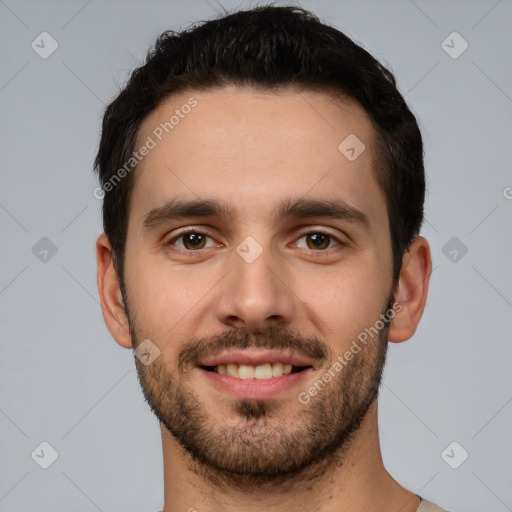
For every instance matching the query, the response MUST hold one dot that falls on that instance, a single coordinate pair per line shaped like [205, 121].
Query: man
[263, 189]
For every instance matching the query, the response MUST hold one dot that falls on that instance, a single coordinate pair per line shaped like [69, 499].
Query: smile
[261, 372]
[256, 373]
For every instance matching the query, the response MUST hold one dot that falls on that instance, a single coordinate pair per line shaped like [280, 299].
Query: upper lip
[256, 357]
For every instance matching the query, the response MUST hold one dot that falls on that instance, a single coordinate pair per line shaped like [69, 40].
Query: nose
[256, 295]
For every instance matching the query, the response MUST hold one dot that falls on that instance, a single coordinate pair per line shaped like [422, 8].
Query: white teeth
[277, 370]
[263, 371]
[247, 371]
[232, 370]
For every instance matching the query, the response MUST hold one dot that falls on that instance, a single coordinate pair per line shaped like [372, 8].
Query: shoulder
[427, 506]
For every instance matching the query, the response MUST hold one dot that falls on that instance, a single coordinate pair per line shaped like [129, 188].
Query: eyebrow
[300, 208]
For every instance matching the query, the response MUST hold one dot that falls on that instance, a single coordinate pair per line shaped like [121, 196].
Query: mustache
[278, 338]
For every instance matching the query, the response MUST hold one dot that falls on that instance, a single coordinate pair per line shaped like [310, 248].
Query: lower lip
[255, 388]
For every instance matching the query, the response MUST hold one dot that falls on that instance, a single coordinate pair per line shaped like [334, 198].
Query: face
[257, 252]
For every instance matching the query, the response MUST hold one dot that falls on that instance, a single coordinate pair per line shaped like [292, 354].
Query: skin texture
[252, 150]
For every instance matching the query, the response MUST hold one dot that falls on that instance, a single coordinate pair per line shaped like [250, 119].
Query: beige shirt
[427, 506]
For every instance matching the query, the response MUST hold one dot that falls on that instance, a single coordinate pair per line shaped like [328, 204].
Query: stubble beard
[255, 446]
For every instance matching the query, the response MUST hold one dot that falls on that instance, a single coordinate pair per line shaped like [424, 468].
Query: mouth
[255, 374]
[263, 371]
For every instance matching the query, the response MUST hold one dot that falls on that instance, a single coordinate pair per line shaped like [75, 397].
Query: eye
[195, 240]
[192, 241]
[318, 241]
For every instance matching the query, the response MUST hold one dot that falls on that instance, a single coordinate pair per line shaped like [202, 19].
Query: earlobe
[412, 289]
[112, 306]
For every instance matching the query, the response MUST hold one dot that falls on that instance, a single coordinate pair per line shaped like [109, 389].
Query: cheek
[163, 294]
[344, 302]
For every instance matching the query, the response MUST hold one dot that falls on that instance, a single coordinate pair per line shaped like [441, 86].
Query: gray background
[63, 380]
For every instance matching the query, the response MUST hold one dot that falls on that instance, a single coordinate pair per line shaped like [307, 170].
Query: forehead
[251, 148]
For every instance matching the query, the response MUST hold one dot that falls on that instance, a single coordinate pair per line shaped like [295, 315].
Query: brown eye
[193, 240]
[318, 240]
[190, 241]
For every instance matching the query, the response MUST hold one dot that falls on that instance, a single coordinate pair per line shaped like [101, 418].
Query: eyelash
[182, 234]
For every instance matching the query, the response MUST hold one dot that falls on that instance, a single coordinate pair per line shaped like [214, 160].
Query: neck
[355, 482]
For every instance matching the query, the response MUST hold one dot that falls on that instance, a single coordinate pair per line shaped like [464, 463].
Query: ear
[411, 292]
[111, 299]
